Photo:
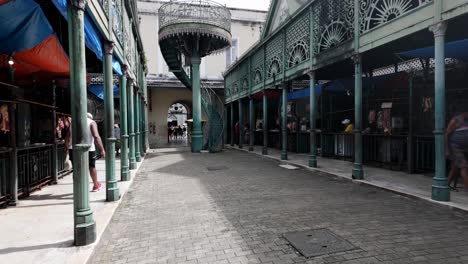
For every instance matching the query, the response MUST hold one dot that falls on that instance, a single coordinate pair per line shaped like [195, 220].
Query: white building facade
[164, 89]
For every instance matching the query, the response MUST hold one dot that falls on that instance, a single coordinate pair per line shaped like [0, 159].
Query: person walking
[456, 148]
[117, 139]
[92, 137]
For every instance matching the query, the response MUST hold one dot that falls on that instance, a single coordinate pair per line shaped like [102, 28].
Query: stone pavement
[232, 207]
[40, 228]
[412, 185]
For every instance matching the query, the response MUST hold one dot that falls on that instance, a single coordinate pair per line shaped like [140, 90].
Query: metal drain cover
[216, 168]
[317, 242]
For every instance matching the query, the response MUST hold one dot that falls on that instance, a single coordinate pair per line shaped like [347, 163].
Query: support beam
[251, 124]
[358, 172]
[440, 190]
[312, 116]
[54, 141]
[137, 127]
[241, 125]
[13, 157]
[284, 123]
[84, 224]
[265, 123]
[232, 124]
[124, 163]
[131, 125]
[112, 188]
[197, 134]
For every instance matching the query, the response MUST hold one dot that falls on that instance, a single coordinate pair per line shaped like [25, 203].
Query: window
[232, 52]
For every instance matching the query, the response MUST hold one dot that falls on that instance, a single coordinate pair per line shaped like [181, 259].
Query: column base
[251, 148]
[284, 156]
[138, 158]
[358, 172]
[241, 146]
[125, 174]
[265, 151]
[313, 162]
[440, 190]
[112, 191]
[85, 234]
[133, 164]
[197, 142]
[12, 203]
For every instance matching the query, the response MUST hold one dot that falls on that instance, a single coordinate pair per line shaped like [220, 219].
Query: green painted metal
[440, 190]
[214, 109]
[232, 124]
[84, 224]
[124, 163]
[13, 157]
[241, 125]
[131, 125]
[251, 124]
[112, 188]
[312, 116]
[137, 126]
[410, 150]
[265, 123]
[54, 143]
[358, 171]
[284, 122]
[197, 134]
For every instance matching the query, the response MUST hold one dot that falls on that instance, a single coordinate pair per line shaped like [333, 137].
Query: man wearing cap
[349, 127]
[91, 137]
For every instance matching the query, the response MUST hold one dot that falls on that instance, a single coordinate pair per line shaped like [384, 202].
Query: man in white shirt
[92, 137]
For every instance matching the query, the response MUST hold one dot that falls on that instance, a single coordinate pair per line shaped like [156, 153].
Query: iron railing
[4, 176]
[34, 168]
[214, 108]
[424, 153]
[388, 151]
[195, 11]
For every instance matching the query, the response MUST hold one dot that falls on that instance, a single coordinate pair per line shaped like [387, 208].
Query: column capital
[79, 4]
[357, 58]
[124, 70]
[195, 60]
[439, 29]
[311, 74]
[108, 47]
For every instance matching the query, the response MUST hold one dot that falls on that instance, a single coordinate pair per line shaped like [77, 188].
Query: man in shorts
[456, 138]
[92, 137]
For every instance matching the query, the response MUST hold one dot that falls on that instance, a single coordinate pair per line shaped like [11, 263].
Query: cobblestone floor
[234, 207]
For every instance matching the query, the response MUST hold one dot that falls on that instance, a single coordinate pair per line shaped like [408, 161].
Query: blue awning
[455, 49]
[93, 38]
[98, 90]
[305, 92]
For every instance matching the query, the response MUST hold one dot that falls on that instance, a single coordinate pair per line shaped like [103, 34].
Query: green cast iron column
[284, 123]
[197, 134]
[131, 125]
[241, 125]
[124, 167]
[232, 124]
[265, 123]
[112, 188]
[84, 224]
[358, 172]
[137, 126]
[13, 157]
[251, 124]
[54, 142]
[440, 190]
[312, 116]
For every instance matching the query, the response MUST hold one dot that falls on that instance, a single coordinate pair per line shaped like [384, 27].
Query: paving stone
[177, 211]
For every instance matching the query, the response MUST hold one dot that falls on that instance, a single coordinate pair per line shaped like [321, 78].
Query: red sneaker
[97, 188]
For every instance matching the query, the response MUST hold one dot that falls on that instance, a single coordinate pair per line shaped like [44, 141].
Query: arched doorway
[177, 129]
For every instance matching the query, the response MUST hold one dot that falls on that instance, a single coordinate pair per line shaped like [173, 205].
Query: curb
[322, 172]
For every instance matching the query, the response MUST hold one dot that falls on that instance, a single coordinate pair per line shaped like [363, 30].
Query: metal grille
[317, 242]
[414, 65]
[244, 75]
[4, 174]
[298, 41]
[117, 21]
[34, 168]
[257, 66]
[274, 56]
[384, 71]
[333, 23]
[374, 13]
[104, 5]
